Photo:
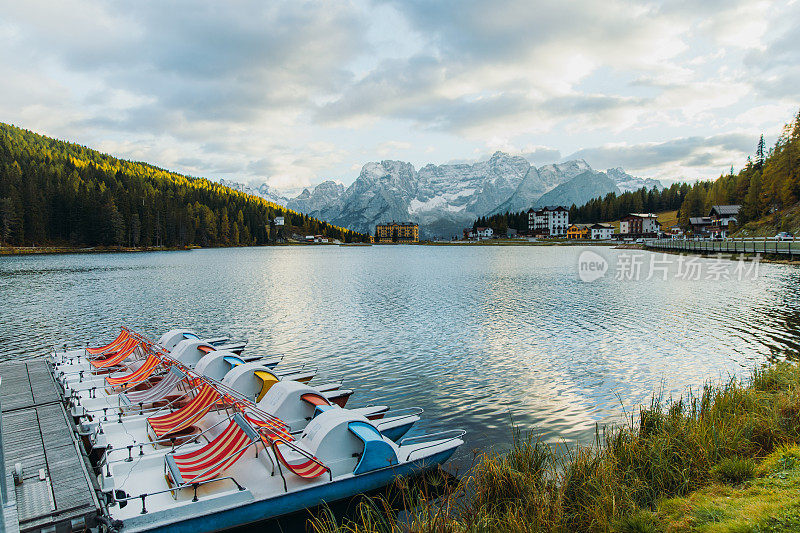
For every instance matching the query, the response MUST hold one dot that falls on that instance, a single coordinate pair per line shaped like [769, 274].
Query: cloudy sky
[295, 93]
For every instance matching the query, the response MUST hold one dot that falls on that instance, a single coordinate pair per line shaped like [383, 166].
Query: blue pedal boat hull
[258, 511]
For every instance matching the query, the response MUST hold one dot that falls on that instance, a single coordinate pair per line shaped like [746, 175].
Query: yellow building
[397, 232]
[578, 231]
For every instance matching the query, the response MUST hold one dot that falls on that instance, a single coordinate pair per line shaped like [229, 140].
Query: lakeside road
[729, 246]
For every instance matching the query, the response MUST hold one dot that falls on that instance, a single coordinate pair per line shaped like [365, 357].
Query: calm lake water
[478, 336]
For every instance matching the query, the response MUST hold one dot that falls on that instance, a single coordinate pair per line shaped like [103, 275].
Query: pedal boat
[246, 474]
[131, 428]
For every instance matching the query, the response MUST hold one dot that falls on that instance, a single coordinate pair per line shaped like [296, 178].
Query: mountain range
[444, 199]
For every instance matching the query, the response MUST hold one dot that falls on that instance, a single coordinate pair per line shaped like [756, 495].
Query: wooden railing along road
[729, 246]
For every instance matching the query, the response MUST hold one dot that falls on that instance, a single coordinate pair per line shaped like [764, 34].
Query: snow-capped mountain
[444, 199]
[326, 193]
[264, 191]
[539, 181]
[584, 187]
[628, 183]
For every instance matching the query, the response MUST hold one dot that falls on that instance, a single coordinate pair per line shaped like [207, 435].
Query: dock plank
[37, 434]
[15, 392]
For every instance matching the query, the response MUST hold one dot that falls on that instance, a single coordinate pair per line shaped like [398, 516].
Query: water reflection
[476, 336]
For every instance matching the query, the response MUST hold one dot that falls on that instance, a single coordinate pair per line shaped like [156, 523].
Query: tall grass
[665, 449]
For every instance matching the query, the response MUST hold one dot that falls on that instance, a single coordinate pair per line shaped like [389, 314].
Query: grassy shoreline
[46, 250]
[724, 460]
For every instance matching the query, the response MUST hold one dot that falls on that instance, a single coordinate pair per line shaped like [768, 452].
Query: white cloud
[293, 93]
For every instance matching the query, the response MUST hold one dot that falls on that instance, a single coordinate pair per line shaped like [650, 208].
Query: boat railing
[405, 411]
[196, 485]
[291, 369]
[140, 406]
[171, 440]
[227, 391]
[93, 390]
[438, 438]
[138, 354]
[400, 414]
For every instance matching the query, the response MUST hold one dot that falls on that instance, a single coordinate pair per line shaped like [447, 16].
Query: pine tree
[759, 154]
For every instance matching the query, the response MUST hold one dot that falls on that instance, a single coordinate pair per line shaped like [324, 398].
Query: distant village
[552, 222]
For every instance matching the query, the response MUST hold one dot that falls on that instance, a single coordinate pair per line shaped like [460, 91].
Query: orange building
[578, 231]
[397, 232]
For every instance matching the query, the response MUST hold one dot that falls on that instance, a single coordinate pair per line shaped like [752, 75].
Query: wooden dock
[56, 493]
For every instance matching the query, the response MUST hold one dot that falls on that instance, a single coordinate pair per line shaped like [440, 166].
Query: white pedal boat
[118, 429]
[245, 477]
[187, 351]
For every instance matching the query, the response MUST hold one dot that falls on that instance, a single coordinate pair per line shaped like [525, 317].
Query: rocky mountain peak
[444, 199]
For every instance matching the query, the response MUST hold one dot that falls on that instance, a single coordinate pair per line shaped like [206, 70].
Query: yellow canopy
[268, 379]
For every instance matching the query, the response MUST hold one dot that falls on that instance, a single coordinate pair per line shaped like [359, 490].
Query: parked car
[784, 236]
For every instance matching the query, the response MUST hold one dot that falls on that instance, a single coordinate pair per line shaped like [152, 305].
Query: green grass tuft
[733, 470]
[707, 515]
[638, 522]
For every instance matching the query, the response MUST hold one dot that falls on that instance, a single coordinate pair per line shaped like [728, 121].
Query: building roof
[393, 223]
[641, 215]
[699, 221]
[601, 225]
[725, 210]
[580, 226]
[481, 229]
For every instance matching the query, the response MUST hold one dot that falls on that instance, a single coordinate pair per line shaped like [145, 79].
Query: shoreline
[726, 458]
[515, 242]
[55, 250]
[49, 250]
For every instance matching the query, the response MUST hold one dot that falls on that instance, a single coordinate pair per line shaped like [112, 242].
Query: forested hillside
[605, 209]
[768, 187]
[55, 192]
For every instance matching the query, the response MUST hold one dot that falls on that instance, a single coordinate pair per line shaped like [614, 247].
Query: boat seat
[113, 345]
[377, 452]
[308, 469]
[269, 429]
[206, 349]
[117, 357]
[315, 399]
[137, 376]
[208, 462]
[157, 392]
[187, 415]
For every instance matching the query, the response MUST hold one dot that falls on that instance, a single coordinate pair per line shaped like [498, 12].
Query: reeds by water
[665, 450]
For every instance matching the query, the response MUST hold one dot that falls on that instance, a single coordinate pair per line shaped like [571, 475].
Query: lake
[478, 336]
